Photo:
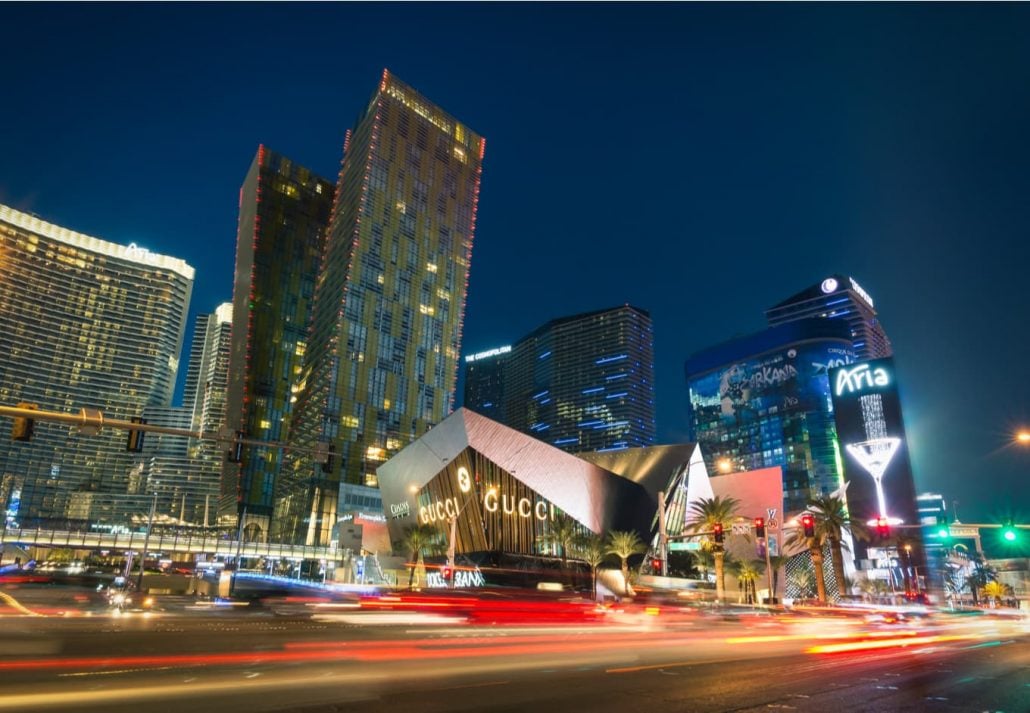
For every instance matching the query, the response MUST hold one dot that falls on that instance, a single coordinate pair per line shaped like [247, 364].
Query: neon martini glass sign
[875, 455]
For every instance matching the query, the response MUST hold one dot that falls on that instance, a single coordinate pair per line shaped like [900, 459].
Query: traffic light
[717, 533]
[760, 527]
[327, 466]
[808, 524]
[446, 573]
[235, 453]
[943, 531]
[134, 444]
[22, 428]
[1009, 531]
[883, 528]
[656, 565]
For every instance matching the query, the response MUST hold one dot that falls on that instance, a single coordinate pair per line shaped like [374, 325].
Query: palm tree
[980, 576]
[624, 545]
[591, 549]
[419, 539]
[704, 515]
[993, 592]
[748, 572]
[563, 535]
[778, 562]
[803, 580]
[832, 524]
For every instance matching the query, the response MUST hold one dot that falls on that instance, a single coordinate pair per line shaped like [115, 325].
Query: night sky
[700, 161]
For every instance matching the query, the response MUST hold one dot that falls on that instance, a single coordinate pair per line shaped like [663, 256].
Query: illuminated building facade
[764, 400]
[581, 383]
[284, 211]
[874, 447]
[84, 323]
[506, 490]
[484, 382]
[381, 363]
[838, 297]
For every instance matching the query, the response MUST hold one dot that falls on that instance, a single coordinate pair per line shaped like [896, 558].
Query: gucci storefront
[505, 492]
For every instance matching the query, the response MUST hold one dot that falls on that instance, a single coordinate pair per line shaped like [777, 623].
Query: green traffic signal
[1009, 532]
[942, 527]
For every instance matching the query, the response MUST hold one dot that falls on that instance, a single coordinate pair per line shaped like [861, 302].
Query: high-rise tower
[581, 383]
[838, 297]
[84, 323]
[284, 210]
[381, 362]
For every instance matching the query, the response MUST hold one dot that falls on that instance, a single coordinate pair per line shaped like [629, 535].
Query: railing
[160, 542]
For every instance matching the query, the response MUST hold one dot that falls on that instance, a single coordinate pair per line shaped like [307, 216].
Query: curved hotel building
[84, 323]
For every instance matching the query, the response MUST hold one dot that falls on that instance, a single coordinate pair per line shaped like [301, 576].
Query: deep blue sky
[700, 161]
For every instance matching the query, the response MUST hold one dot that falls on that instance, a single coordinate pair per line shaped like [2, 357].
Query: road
[335, 659]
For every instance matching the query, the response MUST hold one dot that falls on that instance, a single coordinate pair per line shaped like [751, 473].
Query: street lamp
[1023, 436]
[724, 465]
[452, 541]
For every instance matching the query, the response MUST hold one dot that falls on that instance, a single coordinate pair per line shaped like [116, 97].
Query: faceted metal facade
[505, 487]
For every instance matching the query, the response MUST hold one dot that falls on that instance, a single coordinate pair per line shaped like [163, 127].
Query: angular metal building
[506, 490]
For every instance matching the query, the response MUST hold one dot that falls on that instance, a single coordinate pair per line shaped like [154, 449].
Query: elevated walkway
[183, 543]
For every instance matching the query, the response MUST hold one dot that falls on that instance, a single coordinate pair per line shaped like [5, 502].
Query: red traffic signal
[717, 532]
[883, 528]
[808, 524]
[656, 565]
[446, 573]
[759, 527]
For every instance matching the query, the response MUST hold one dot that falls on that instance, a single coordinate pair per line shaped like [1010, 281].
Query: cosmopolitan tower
[382, 353]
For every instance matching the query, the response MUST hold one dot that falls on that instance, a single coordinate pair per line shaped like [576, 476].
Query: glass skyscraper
[841, 298]
[284, 211]
[764, 400]
[381, 361]
[484, 381]
[581, 383]
[84, 323]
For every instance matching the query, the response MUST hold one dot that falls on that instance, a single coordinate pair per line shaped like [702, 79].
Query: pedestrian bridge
[178, 542]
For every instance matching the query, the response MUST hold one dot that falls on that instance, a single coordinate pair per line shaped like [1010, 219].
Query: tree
[778, 562]
[624, 545]
[832, 524]
[748, 572]
[420, 539]
[591, 549]
[563, 534]
[993, 592]
[980, 575]
[803, 580]
[704, 515]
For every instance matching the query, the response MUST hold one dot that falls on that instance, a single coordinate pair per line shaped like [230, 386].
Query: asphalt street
[290, 658]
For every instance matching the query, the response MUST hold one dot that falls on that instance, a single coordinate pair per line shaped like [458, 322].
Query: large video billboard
[873, 445]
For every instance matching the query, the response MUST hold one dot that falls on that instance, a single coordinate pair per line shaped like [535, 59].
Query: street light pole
[146, 543]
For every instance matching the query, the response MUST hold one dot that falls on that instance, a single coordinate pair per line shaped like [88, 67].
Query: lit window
[380, 279]
[425, 309]
[349, 421]
[371, 480]
[266, 424]
[431, 266]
